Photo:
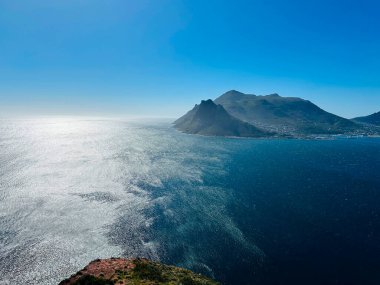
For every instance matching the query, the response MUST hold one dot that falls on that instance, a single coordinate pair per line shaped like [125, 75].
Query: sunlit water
[243, 211]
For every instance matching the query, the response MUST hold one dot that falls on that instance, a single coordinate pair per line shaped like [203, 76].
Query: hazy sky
[160, 57]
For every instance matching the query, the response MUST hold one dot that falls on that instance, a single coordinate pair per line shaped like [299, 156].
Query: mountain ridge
[285, 115]
[373, 119]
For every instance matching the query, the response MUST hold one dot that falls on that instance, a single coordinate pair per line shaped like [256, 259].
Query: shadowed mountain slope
[210, 119]
[373, 119]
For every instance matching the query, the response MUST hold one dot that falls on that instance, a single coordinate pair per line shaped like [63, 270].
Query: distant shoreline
[312, 137]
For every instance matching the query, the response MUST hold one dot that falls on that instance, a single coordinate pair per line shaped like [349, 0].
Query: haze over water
[239, 210]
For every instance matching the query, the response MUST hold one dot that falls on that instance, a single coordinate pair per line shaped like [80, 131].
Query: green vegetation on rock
[92, 280]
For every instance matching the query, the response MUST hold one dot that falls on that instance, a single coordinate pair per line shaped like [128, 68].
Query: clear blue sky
[160, 57]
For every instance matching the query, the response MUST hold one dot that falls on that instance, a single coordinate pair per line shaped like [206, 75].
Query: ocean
[243, 211]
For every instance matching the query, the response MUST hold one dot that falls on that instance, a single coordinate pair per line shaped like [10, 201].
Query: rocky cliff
[134, 271]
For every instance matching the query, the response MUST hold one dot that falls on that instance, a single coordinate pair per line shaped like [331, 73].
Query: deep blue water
[243, 211]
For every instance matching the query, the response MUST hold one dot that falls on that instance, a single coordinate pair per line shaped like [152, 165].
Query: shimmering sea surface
[243, 211]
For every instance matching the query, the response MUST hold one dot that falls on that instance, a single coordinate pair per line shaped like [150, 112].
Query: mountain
[139, 271]
[285, 115]
[373, 119]
[210, 119]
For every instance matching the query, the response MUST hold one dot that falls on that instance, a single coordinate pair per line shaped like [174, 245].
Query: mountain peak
[232, 94]
[207, 102]
[208, 118]
[233, 91]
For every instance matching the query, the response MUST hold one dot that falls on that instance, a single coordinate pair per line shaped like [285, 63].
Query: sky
[157, 58]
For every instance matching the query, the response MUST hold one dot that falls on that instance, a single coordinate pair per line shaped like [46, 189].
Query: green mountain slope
[286, 115]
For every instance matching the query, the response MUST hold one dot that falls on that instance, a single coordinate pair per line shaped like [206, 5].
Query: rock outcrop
[134, 271]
